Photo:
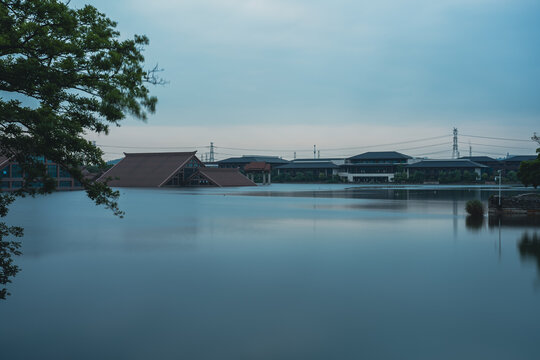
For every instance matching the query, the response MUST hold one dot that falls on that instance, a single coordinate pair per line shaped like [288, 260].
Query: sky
[273, 77]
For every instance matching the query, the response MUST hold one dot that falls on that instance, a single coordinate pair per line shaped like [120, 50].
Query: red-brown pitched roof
[257, 166]
[146, 169]
[225, 177]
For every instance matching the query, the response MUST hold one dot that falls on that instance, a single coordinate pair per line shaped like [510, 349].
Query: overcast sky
[284, 75]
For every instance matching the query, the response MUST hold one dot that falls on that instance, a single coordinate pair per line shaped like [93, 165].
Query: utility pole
[455, 151]
[314, 151]
[295, 155]
[211, 152]
[318, 154]
[470, 149]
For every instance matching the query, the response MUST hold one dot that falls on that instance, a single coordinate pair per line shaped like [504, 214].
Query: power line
[499, 146]
[388, 144]
[435, 152]
[489, 153]
[261, 150]
[495, 138]
[330, 149]
[424, 146]
[151, 147]
[334, 149]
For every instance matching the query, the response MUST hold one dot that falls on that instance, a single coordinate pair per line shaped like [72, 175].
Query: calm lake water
[279, 272]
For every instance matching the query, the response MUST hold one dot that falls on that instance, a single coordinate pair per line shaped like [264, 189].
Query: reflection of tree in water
[8, 248]
[474, 223]
[529, 247]
[7, 269]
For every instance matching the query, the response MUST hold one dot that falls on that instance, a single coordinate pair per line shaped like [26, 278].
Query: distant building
[257, 168]
[241, 162]
[337, 161]
[433, 168]
[312, 167]
[374, 166]
[12, 175]
[171, 169]
[492, 164]
[512, 163]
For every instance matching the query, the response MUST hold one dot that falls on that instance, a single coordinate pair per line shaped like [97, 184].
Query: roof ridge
[162, 153]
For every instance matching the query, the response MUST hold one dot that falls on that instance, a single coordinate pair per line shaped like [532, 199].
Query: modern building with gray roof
[520, 158]
[512, 163]
[315, 168]
[337, 161]
[492, 164]
[446, 164]
[240, 162]
[432, 168]
[373, 166]
[391, 157]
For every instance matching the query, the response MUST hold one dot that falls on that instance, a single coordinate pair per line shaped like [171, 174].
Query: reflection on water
[8, 268]
[200, 274]
[529, 247]
[393, 192]
[474, 223]
[516, 221]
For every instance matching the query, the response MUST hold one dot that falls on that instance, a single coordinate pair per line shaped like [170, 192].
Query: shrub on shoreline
[474, 208]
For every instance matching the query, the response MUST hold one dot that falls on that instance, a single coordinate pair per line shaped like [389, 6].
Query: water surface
[279, 272]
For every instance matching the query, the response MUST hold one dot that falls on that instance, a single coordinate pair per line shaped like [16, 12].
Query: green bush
[418, 177]
[474, 208]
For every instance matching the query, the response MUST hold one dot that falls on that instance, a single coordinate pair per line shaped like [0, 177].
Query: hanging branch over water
[63, 73]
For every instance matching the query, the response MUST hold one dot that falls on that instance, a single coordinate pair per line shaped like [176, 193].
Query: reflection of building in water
[513, 221]
[529, 248]
[455, 213]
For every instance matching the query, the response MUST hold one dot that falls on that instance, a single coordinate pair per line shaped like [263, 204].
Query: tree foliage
[529, 171]
[474, 208]
[7, 248]
[64, 73]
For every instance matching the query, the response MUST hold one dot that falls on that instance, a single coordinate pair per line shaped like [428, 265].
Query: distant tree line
[303, 177]
[529, 171]
[416, 177]
[451, 177]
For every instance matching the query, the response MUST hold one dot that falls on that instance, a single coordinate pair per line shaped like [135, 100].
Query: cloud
[228, 22]
[310, 61]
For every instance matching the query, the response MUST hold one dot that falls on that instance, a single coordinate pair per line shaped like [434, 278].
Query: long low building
[382, 166]
[170, 169]
[433, 168]
[315, 168]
